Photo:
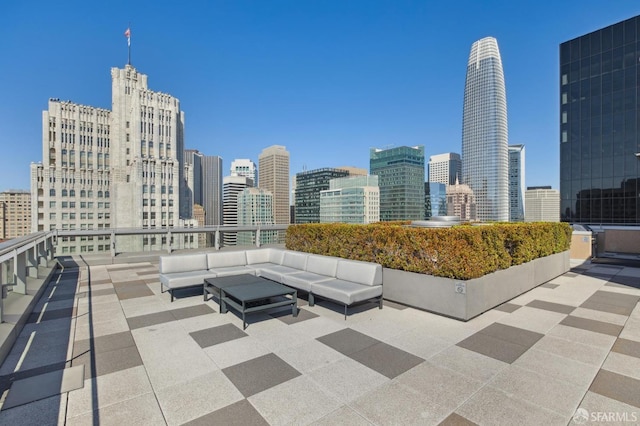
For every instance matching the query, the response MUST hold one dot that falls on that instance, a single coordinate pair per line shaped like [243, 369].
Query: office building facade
[309, 184]
[543, 204]
[461, 202]
[231, 187]
[273, 176]
[111, 168]
[516, 183]
[15, 214]
[212, 189]
[400, 174]
[600, 126]
[485, 164]
[435, 199]
[445, 168]
[245, 167]
[255, 207]
[353, 199]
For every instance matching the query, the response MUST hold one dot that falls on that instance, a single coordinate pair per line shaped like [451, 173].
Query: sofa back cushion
[295, 259]
[226, 258]
[323, 265]
[359, 272]
[183, 263]
[265, 255]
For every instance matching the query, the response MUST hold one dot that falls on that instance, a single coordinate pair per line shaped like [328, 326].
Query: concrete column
[217, 240]
[32, 262]
[20, 273]
[113, 244]
[258, 237]
[169, 242]
[42, 253]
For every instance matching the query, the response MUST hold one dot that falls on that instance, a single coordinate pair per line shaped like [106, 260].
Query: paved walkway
[104, 346]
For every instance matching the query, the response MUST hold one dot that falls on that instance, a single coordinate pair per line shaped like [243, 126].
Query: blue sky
[329, 79]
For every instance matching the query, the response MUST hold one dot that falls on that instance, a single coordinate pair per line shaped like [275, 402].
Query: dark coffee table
[212, 286]
[256, 294]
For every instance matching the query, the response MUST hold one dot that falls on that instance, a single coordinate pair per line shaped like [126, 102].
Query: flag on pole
[127, 34]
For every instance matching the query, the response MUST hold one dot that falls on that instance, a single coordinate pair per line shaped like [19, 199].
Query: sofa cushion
[366, 273]
[303, 280]
[183, 263]
[233, 270]
[266, 255]
[345, 292]
[185, 279]
[225, 259]
[294, 259]
[275, 272]
[323, 265]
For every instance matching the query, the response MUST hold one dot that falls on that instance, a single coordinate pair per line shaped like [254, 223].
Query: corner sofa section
[346, 282]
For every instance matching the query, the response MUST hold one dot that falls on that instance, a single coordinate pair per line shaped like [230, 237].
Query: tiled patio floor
[104, 346]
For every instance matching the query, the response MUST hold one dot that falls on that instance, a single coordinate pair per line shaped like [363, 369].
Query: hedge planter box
[465, 299]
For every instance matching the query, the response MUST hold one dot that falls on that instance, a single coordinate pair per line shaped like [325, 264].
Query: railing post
[113, 244]
[20, 272]
[217, 239]
[169, 242]
[258, 237]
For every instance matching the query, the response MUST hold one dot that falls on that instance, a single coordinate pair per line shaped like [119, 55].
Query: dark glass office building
[307, 195]
[600, 126]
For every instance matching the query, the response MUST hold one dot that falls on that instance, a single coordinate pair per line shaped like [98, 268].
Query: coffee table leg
[294, 308]
[223, 305]
[244, 322]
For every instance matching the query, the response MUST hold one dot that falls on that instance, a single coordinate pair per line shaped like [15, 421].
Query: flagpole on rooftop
[127, 34]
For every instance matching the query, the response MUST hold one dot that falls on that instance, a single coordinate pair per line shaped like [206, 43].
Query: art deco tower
[485, 154]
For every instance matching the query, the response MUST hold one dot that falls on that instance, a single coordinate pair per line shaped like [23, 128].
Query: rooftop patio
[104, 346]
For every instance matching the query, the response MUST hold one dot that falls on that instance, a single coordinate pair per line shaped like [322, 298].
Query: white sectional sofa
[340, 280]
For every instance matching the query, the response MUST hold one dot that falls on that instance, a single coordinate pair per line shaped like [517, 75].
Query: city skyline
[329, 80]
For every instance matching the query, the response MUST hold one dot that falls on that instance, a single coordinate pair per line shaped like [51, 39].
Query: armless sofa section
[346, 282]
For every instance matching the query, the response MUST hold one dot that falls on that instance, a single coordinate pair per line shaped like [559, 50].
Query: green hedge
[461, 252]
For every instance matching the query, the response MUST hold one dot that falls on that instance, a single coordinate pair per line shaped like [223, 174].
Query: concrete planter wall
[465, 299]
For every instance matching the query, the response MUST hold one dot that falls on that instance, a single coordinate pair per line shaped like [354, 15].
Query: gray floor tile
[96, 293]
[511, 334]
[259, 374]
[286, 317]
[549, 306]
[150, 319]
[455, 419]
[101, 281]
[106, 343]
[592, 325]
[240, 413]
[216, 335]
[507, 307]
[102, 363]
[616, 386]
[493, 347]
[191, 311]
[43, 386]
[604, 307]
[139, 291]
[550, 285]
[348, 341]
[386, 359]
[627, 347]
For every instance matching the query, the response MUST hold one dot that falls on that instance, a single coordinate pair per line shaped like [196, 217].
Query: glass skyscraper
[599, 123]
[400, 174]
[485, 157]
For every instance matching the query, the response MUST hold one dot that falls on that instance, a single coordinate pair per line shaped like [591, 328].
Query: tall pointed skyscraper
[485, 152]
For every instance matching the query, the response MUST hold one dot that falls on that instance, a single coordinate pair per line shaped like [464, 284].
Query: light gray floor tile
[627, 347]
[631, 329]
[395, 404]
[592, 355]
[420, 343]
[468, 363]
[597, 406]
[553, 307]
[347, 379]
[100, 363]
[582, 336]
[532, 319]
[555, 395]
[508, 307]
[491, 406]
[600, 316]
[558, 367]
[109, 389]
[345, 416]
[348, 341]
[195, 398]
[309, 356]
[236, 351]
[142, 410]
[623, 364]
[440, 386]
[297, 401]
[317, 327]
